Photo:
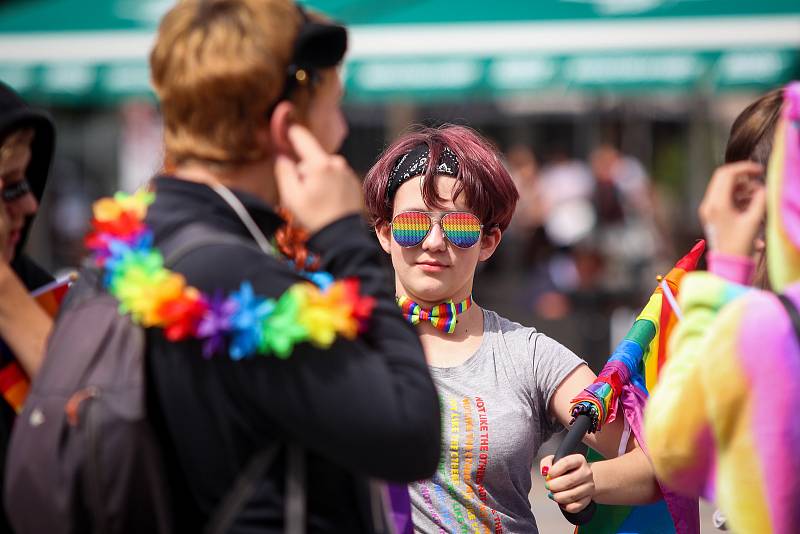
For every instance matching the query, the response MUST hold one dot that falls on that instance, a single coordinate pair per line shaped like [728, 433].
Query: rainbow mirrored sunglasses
[410, 228]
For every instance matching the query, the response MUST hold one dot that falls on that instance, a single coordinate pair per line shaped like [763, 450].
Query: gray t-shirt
[494, 419]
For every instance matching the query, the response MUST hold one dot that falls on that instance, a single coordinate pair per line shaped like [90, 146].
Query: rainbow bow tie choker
[442, 316]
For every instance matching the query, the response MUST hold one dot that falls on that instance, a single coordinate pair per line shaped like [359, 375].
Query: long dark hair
[754, 129]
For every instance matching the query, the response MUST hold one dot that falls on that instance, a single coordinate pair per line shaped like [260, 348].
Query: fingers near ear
[745, 166]
[723, 184]
[724, 178]
[286, 175]
[304, 143]
[758, 204]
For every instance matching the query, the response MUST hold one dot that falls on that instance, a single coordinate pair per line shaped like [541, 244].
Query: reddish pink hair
[488, 189]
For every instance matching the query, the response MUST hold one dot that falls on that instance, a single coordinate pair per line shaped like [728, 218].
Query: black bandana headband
[415, 163]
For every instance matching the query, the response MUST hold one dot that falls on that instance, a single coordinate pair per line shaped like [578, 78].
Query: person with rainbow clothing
[723, 422]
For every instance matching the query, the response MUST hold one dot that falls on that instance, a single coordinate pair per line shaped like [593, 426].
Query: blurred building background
[611, 113]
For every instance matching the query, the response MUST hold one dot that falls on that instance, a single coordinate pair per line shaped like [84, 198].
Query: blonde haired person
[250, 96]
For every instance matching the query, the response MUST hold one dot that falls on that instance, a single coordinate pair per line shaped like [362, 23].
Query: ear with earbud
[283, 116]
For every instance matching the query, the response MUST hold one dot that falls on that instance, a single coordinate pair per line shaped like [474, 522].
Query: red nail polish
[545, 469]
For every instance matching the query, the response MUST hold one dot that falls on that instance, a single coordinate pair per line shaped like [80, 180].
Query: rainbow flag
[49, 296]
[14, 383]
[628, 376]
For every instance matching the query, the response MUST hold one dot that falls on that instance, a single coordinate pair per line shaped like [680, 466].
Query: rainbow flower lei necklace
[121, 244]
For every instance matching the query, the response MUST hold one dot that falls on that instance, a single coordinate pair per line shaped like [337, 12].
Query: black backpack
[83, 455]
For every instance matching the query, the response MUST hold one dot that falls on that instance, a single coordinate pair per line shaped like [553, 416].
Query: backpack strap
[794, 314]
[189, 238]
[197, 235]
[294, 510]
[295, 500]
[242, 490]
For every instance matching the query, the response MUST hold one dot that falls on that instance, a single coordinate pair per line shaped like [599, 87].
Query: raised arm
[677, 415]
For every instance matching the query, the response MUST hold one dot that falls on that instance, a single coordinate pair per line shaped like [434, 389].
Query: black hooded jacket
[362, 408]
[15, 114]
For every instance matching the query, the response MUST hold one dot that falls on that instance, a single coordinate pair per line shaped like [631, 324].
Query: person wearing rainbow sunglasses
[439, 200]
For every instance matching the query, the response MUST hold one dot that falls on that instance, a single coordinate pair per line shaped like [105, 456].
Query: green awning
[94, 51]
[371, 12]
[501, 76]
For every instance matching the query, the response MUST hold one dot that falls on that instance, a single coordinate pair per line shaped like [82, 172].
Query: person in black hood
[26, 149]
[24, 181]
[27, 139]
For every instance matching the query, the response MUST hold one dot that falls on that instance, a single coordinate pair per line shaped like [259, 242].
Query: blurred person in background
[250, 95]
[526, 249]
[567, 187]
[526, 230]
[567, 215]
[625, 231]
[626, 173]
[27, 141]
[722, 423]
[440, 200]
